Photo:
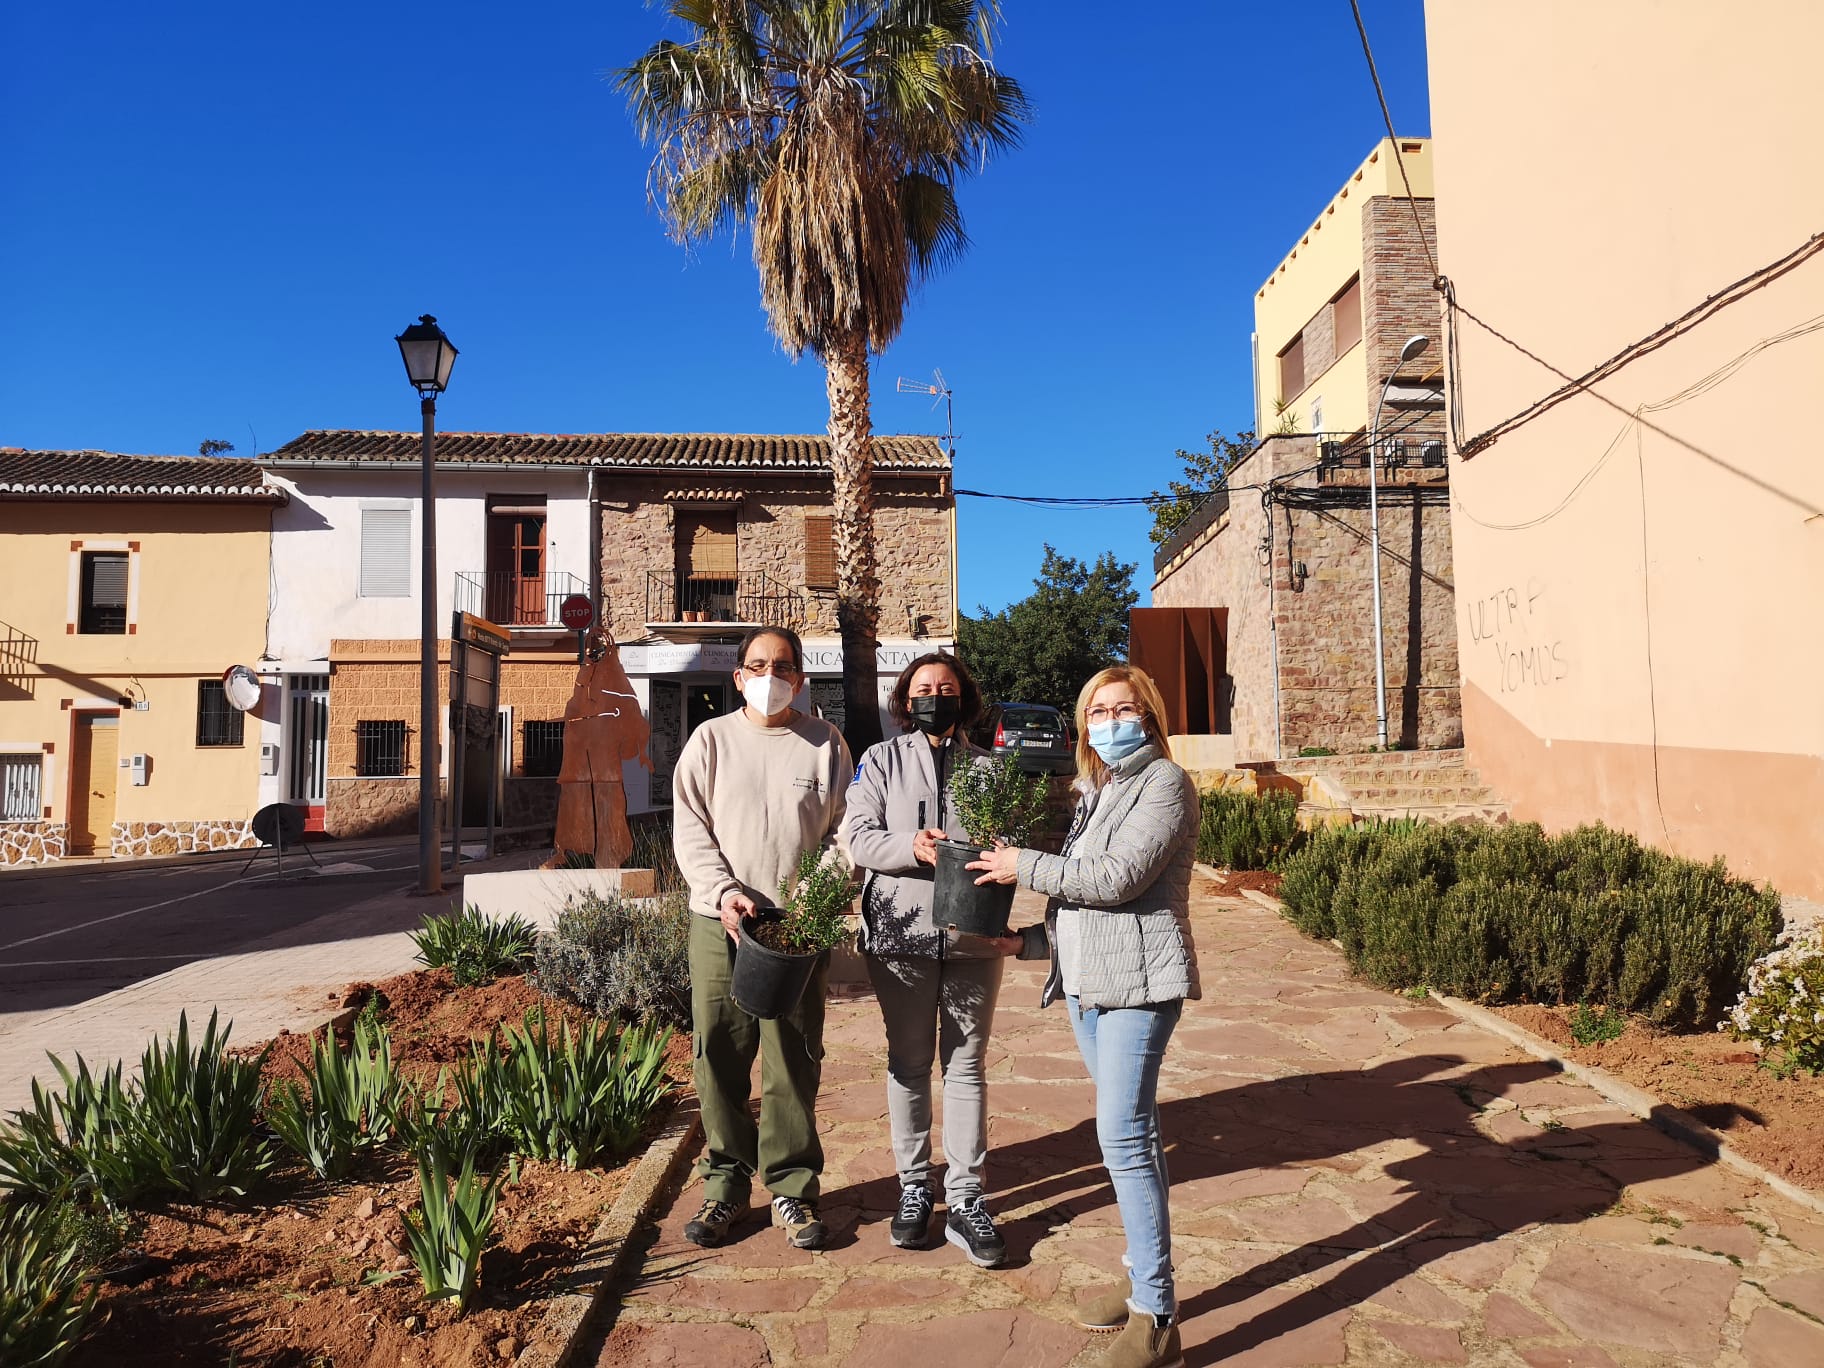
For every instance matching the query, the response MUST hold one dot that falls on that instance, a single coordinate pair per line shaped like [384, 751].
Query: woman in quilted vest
[1117, 932]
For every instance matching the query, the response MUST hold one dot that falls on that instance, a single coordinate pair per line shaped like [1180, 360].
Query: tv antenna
[936, 387]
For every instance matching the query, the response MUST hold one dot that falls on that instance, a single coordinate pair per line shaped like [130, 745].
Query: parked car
[1035, 734]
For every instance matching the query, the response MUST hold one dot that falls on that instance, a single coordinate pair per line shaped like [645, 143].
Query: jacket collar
[1139, 760]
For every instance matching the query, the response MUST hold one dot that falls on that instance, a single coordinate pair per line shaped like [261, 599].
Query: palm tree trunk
[845, 364]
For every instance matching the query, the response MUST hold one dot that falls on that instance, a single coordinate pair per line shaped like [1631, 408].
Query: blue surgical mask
[1117, 740]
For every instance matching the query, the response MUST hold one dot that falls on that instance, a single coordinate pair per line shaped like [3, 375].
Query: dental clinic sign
[821, 657]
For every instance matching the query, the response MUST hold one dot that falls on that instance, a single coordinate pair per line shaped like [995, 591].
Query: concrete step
[1443, 813]
[1403, 760]
[1423, 795]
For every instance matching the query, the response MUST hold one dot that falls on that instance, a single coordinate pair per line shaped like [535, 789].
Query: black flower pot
[960, 902]
[768, 983]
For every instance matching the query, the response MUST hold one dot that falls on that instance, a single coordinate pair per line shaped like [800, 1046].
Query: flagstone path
[1356, 1179]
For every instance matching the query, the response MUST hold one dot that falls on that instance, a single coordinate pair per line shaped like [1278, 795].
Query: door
[307, 745]
[516, 566]
[703, 701]
[94, 769]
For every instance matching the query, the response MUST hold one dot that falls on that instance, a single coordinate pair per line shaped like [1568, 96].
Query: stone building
[1283, 551]
[683, 541]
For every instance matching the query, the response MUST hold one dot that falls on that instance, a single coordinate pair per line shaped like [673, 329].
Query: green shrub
[453, 1224]
[620, 959]
[475, 949]
[351, 1102]
[995, 801]
[76, 1142]
[653, 849]
[1596, 1025]
[1782, 1008]
[194, 1114]
[813, 905]
[1248, 831]
[1314, 752]
[43, 1302]
[1507, 913]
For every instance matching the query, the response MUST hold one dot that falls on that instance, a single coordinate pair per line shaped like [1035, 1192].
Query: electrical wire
[1393, 137]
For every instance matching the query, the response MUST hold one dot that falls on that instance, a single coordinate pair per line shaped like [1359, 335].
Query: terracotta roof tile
[103, 474]
[618, 450]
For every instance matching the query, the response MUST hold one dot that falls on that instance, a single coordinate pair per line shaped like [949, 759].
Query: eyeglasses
[783, 668]
[1121, 712]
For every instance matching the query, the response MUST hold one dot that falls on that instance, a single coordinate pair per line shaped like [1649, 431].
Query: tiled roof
[102, 474]
[702, 496]
[618, 450]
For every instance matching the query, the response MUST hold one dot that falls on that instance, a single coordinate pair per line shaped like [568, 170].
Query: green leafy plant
[475, 949]
[195, 1113]
[1248, 831]
[653, 849]
[1596, 1025]
[620, 958]
[995, 801]
[76, 1142]
[1782, 1007]
[453, 1224]
[44, 1304]
[813, 905]
[577, 859]
[1313, 752]
[349, 1103]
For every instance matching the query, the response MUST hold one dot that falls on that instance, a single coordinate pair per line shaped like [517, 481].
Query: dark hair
[971, 698]
[785, 634]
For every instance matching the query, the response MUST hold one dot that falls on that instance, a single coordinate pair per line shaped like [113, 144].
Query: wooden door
[94, 769]
[529, 563]
[516, 566]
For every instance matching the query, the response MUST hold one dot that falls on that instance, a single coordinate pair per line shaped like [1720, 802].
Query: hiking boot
[971, 1229]
[1144, 1343]
[799, 1220]
[912, 1222]
[711, 1224]
[1105, 1308]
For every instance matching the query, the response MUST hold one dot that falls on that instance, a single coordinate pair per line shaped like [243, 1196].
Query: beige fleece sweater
[749, 800]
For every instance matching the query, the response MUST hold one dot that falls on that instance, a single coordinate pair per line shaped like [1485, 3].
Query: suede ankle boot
[1105, 1308]
[1144, 1343]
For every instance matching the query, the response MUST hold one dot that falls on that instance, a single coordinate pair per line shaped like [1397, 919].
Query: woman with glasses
[1117, 932]
[936, 988]
[752, 791]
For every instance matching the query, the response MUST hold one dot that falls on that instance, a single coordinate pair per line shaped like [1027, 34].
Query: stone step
[1382, 795]
[1312, 764]
[1442, 813]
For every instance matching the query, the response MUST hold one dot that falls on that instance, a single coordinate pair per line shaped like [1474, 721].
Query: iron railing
[509, 600]
[751, 597]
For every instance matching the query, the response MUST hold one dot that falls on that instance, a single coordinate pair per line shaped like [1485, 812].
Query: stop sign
[576, 612]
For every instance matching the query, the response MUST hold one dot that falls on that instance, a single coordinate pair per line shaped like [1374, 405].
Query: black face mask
[935, 714]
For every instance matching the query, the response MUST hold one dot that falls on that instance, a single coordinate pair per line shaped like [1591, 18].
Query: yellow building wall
[1312, 273]
[197, 604]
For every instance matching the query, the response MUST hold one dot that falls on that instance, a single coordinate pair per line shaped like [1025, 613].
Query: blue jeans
[1123, 1047]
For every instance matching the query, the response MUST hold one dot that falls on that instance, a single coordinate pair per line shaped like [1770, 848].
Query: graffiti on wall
[1511, 628]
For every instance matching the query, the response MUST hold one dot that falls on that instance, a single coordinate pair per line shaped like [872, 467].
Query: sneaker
[1145, 1343]
[912, 1222]
[711, 1224]
[971, 1229]
[1105, 1308]
[800, 1222]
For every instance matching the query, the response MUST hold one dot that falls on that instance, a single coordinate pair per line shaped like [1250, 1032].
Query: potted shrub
[995, 802]
[779, 946]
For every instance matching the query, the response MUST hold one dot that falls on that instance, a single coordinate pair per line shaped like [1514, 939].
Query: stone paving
[1357, 1179]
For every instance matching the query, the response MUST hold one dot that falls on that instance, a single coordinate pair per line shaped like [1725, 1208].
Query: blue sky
[218, 216]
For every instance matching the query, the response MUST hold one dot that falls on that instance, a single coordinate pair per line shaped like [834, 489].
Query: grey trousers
[938, 1009]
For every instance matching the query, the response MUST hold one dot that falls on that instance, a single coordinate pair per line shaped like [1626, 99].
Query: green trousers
[783, 1149]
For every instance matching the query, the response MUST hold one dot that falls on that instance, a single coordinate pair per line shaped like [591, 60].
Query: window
[380, 750]
[386, 552]
[218, 723]
[104, 593]
[544, 748]
[1347, 307]
[1292, 369]
[819, 551]
[20, 779]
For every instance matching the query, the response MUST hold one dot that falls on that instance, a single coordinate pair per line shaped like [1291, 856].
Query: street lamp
[1414, 346]
[428, 356]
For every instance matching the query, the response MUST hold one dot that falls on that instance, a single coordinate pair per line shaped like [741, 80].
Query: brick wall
[374, 690]
[1397, 298]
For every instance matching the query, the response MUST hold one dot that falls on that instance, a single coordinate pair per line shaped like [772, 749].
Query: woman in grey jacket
[1117, 931]
[936, 989]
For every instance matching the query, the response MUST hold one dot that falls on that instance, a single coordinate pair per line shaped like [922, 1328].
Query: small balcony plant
[994, 801]
[780, 947]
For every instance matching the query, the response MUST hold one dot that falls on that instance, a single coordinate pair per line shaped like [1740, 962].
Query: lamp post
[1414, 346]
[428, 356]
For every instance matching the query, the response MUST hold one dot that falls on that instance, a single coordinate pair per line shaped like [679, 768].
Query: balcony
[510, 600]
[749, 599]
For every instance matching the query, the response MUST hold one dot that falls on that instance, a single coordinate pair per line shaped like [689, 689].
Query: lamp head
[428, 355]
[1414, 346]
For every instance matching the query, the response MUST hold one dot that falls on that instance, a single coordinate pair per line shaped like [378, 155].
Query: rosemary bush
[351, 1102]
[996, 802]
[1248, 831]
[813, 905]
[454, 1221]
[476, 949]
[621, 959]
[43, 1301]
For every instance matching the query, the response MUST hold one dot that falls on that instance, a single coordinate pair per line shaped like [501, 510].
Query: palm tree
[836, 129]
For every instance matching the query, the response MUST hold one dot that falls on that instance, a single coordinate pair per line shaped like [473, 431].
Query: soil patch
[1716, 1078]
[306, 1272]
[1229, 883]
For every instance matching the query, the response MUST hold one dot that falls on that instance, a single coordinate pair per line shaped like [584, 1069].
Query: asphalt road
[69, 936]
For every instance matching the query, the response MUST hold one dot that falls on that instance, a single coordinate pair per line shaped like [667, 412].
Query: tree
[1203, 472]
[837, 130]
[1042, 648]
[213, 446]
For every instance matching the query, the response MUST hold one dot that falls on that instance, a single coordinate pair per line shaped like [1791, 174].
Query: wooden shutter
[706, 545]
[819, 551]
[1348, 319]
[1292, 369]
[386, 552]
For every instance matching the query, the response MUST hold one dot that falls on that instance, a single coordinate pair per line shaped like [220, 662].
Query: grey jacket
[1127, 864]
[896, 781]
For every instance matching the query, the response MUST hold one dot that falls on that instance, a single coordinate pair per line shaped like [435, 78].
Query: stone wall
[373, 807]
[29, 843]
[1398, 300]
[140, 840]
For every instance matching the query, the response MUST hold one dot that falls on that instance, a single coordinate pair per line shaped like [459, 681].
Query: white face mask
[767, 695]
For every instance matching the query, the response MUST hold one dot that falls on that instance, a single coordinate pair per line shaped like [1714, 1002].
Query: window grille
[104, 593]
[544, 748]
[380, 750]
[20, 782]
[218, 722]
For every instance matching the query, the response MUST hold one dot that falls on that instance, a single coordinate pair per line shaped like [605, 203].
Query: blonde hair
[1089, 764]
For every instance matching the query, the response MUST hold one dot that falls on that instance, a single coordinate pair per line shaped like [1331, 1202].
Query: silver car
[1035, 734]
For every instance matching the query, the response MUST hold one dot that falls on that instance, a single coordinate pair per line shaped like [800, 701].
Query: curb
[1673, 1121]
[608, 1253]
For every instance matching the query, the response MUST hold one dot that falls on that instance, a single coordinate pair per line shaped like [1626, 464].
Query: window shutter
[386, 552]
[108, 580]
[711, 548]
[1292, 369]
[819, 551]
[1348, 320]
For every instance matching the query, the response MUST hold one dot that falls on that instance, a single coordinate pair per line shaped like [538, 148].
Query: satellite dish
[241, 686]
[278, 824]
